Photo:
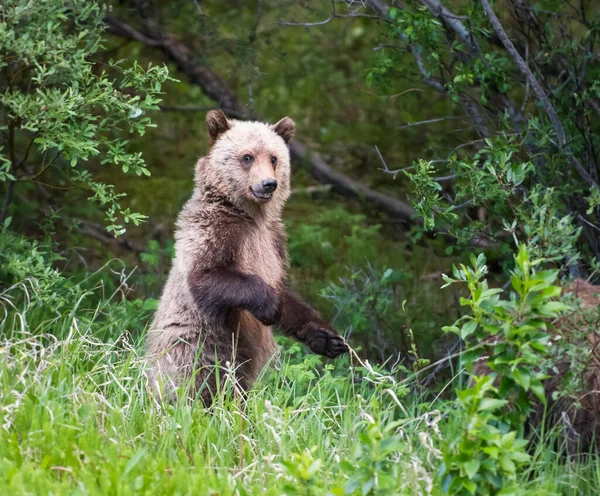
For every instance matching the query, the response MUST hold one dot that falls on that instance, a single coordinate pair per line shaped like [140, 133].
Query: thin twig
[588, 222]
[430, 121]
[198, 7]
[385, 167]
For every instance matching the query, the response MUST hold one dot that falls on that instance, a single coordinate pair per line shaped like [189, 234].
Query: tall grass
[77, 418]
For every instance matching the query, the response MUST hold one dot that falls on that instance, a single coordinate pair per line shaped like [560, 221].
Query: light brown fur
[227, 283]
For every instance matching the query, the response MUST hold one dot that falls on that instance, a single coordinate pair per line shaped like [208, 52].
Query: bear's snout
[269, 185]
[264, 190]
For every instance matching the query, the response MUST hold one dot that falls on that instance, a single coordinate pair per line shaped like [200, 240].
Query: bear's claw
[327, 342]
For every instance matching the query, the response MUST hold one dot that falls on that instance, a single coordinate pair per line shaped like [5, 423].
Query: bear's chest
[259, 255]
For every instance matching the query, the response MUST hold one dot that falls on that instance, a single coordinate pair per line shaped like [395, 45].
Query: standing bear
[227, 285]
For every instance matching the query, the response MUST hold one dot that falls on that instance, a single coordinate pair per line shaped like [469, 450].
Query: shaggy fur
[227, 288]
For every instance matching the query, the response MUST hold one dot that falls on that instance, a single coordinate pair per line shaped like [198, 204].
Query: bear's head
[249, 162]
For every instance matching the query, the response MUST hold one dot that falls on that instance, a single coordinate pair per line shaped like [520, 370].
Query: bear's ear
[285, 128]
[217, 124]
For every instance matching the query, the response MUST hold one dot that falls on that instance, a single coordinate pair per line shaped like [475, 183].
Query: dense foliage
[59, 109]
[484, 117]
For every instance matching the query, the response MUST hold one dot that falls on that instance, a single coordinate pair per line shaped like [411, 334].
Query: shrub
[512, 337]
[59, 109]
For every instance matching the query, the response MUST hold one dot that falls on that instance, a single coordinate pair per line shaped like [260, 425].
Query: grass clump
[77, 418]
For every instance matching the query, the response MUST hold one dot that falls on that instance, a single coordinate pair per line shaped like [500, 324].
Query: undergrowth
[77, 418]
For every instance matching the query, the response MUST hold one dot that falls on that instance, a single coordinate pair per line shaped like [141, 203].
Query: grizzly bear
[227, 285]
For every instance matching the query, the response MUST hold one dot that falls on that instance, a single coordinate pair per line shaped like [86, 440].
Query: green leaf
[471, 468]
[520, 457]
[543, 279]
[491, 292]
[470, 486]
[491, 404]
[522, 377]
[539, 391]
[446, 482]
[516, 283]
[452, 329]
[507, 464]
[468, 329]
[552, 309]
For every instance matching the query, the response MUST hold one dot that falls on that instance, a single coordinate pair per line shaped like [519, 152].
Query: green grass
[77, 418]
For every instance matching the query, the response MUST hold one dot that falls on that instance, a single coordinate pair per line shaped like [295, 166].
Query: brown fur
[227, 284]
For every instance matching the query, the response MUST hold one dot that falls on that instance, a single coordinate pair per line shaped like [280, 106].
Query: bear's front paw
[324, 340]
[266, 307]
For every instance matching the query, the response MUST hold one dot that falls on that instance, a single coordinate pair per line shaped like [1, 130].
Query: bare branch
[216, 89]
[347, 186]
[307, 24]
[445, 178]
[333, 15]
[98, 232]
[385, 167]
[119, 28]
[594, 105]
[473, 110]
[329, 19]
[526, 71]
[431, 121]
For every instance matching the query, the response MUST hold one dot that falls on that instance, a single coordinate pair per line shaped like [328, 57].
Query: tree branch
[526, 71]
[537, 89]
[346, 186]
[119, 28]
[98, 232]
[334, 14]
[454, 23]
[217, 90]
[470, 108]
[430, 121]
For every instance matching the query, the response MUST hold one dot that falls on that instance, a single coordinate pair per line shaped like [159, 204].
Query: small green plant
[372, 468]
[26, 264]
[509, 338]
[369, 304]
[304, 470]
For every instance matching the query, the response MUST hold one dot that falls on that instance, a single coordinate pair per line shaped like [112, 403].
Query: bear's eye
[273, 159]
[248, 159]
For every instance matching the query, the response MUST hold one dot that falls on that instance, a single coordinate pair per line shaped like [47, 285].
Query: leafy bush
[528, 101]
[26, 264]
[510, 340]
[369, 305]
[60, 110]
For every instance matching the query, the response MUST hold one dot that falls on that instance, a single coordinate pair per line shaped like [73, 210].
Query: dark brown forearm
[295, 314]
[302, 322]
[218, 291]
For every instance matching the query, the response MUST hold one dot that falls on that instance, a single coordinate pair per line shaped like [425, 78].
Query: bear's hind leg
[184, 371]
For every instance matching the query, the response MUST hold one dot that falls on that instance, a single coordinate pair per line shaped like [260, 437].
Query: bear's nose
[269, 185]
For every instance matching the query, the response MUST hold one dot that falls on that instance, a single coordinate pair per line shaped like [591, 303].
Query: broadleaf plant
[64, 103]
